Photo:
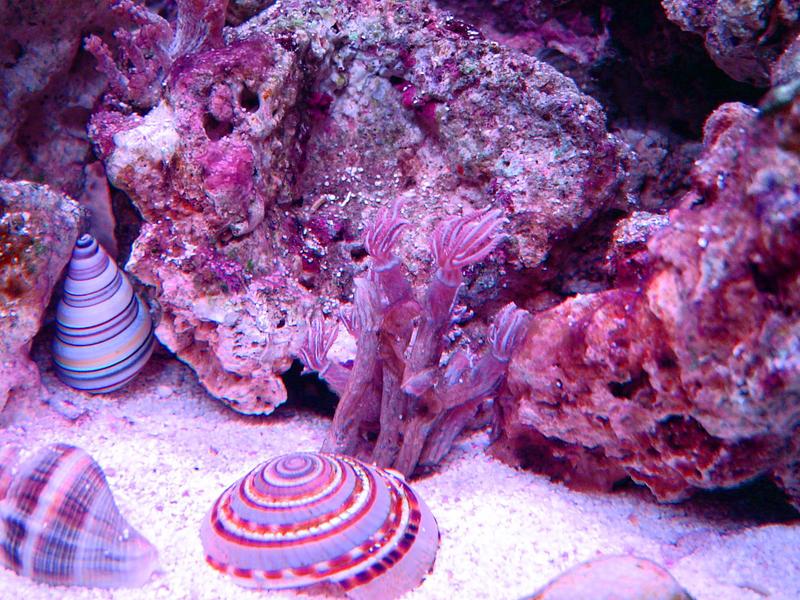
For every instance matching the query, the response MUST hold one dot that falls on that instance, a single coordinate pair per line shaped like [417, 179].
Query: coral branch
[459, 242]
[151, 46]
[379, 240]
[358, 408]
[314, 354]
[508, 331]
[199, 26]
[319, 340]
[381, 237]
[117, 81]
[398, 394]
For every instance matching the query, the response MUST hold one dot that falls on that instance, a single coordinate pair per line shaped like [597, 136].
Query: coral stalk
[401, 407]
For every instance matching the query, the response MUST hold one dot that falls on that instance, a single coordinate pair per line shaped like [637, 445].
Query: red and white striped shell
[326, 522]
[59, 523]
[104, 334]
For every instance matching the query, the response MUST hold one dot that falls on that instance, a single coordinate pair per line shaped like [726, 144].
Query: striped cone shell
[59, 523]
[104, 334]
[322, 521]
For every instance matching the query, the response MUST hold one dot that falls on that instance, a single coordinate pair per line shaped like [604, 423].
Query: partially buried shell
[104, 335]
[59, 523]
[325, 521]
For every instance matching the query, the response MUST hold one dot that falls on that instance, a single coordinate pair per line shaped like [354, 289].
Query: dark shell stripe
[95, 297]
[94, 333]
[59, 524]
[104, 334]
[359, 525]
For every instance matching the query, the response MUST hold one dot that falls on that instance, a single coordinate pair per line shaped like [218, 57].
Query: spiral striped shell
[104, 334]
[59, 523]
[322, 521]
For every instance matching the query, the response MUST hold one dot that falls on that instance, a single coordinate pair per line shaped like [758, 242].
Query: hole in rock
[358, 253]
[12, 52]
[627, 389]
[249, 100]
[307, 392]
[216, 130]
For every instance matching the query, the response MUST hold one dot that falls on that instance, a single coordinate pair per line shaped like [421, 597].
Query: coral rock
[743, 38]
[38, 228]
[691, 380]
[268, 153]
[48, 86]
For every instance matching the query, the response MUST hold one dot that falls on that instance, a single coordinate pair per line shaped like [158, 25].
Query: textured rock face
[49, 86]
[743, 37]
[269, 151]
[38, 228]
[691, 380]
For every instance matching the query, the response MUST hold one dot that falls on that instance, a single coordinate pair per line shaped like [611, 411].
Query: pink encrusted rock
[201, 174]
[448, 119]
[38, 228]
[744, 38]
[691, 380]
[259, 167]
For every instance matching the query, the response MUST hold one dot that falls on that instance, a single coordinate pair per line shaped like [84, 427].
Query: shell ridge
[127, 315]
[258, 535]
[59, 465]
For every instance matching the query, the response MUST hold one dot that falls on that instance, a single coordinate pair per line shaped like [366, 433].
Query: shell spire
[104, 334]
[321, 522]
[59, 523]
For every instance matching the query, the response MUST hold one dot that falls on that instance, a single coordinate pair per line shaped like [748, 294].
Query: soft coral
[148, 50]
[398, 392]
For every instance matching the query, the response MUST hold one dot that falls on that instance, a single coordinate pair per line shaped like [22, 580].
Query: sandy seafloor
[169, 449]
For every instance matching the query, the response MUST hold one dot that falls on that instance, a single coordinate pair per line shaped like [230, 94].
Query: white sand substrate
[169, 449]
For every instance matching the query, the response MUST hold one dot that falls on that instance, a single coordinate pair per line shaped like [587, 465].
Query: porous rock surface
[689, 377]
[269, 151]
[38, 229]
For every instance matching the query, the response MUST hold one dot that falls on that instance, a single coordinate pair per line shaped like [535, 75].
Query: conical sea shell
[104, 335]
[325, 521]
[59, 523]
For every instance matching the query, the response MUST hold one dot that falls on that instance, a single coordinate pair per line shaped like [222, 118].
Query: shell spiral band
[325, 521]
[104, 334]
